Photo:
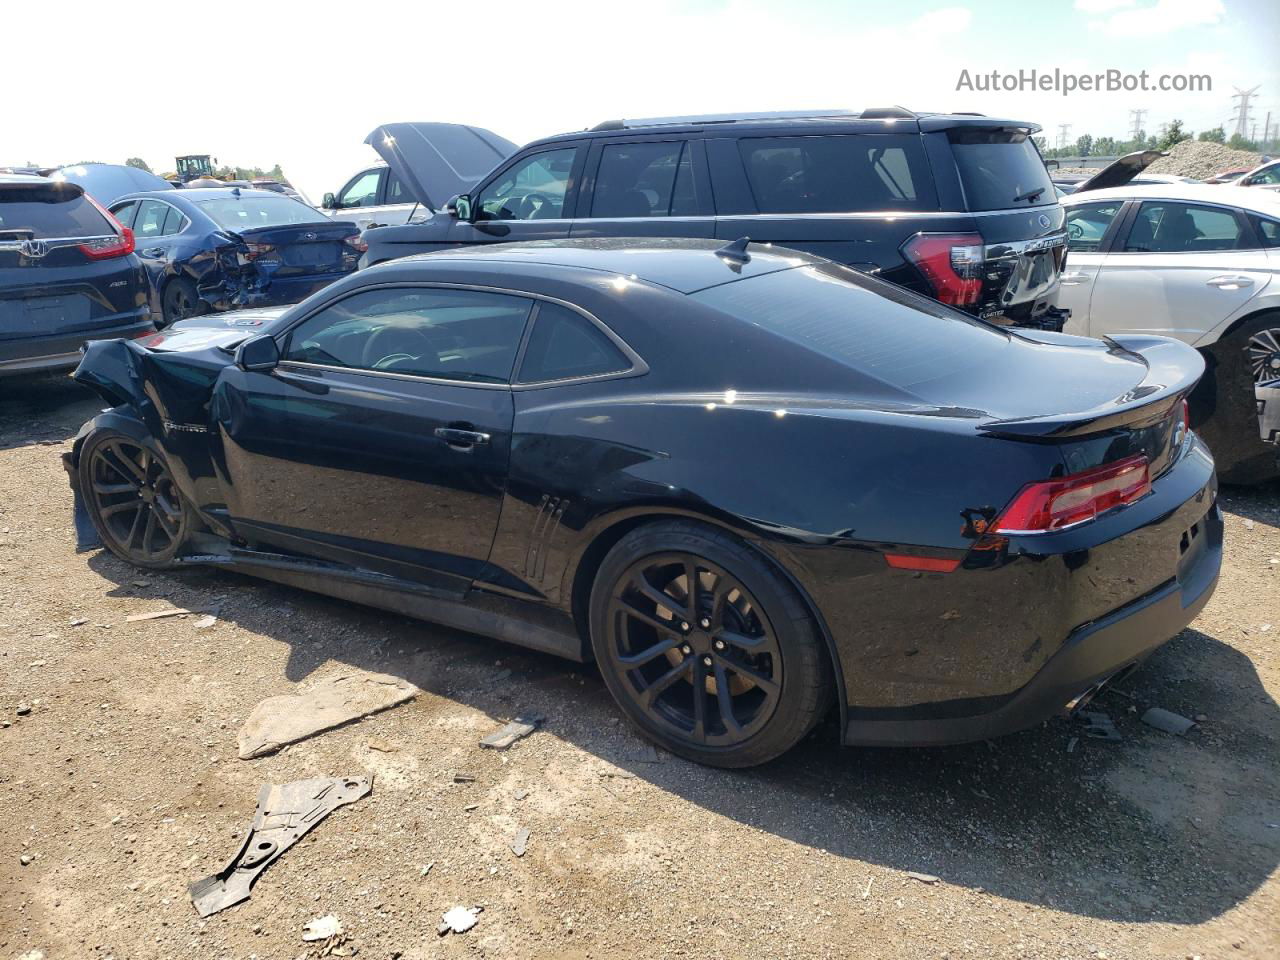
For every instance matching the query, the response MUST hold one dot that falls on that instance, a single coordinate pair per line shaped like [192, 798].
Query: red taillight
[902, 561]
[951, 262]
[1058, 504]
[252, 251]
[104, 248]
[356, 243]
[1186, 417]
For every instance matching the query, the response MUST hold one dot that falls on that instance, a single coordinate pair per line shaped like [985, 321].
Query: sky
[302, 84]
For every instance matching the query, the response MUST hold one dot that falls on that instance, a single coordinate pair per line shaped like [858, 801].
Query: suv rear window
[48, 212]
[1000, 169]
[838, 174]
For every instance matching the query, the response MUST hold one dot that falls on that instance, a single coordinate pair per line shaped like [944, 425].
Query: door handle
[1072, 279]
[458, 437]
[1229, 282]
[153, 252]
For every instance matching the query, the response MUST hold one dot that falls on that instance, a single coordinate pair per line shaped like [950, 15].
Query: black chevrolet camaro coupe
[750, 484]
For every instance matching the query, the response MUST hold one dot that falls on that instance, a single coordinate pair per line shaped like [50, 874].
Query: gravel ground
[121, 785]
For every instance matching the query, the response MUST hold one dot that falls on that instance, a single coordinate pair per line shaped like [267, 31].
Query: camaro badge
[172, 427]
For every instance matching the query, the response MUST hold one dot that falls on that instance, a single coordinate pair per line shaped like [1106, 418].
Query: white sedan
[1195, 262]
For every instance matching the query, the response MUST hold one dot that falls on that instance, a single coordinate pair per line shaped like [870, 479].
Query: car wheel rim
[1264, 355]
[136, 500]
[706, 667]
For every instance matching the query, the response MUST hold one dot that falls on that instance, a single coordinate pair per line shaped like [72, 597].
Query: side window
[150, 221]
[566, 344]
[362, 191]
[1165, 227]
[1087, 224]
[397, 192]
[174, 221]
[530, 189]
[124, 213]
[639, 179]
[1269, 230]
[838, 174]
[463, 335]
[1266, 175]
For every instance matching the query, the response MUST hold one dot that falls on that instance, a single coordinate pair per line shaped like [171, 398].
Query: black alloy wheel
[696, 652]
[706, 647]
[133, 501]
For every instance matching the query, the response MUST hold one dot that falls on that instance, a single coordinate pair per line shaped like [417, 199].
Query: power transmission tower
[1063, 130]
[1242, 111]
[1135, 132]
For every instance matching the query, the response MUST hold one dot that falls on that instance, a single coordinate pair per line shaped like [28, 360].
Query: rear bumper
[230, 295]
[62, 352]
[1093, 653]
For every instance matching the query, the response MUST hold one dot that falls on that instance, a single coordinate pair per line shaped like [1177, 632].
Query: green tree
[1238, 142]
[1216, 135]
[1105, 147]
[1084, 145]
[1174, 134]
[137, 162]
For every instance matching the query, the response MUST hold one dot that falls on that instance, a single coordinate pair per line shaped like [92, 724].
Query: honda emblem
[34, 249]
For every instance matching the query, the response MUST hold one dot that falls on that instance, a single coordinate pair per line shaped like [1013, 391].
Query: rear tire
[734, 678]
[1223, 409]
[131, 497]
[180, 301]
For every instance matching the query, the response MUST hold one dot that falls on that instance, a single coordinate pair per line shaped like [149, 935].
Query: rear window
[887, 333]
[840, 174]
[246, 213]
[47, 213]
[1000, 169]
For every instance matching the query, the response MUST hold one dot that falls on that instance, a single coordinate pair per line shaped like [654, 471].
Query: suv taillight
[356, 243]
[951, 263]
[1057, 504]
[104, 248]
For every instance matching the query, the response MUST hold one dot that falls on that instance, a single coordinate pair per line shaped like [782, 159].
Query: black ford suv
[68, 274]
[955, 206]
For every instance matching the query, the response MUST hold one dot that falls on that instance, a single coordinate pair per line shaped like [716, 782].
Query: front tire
[731, 673]
[135, 506]
[1223, 408]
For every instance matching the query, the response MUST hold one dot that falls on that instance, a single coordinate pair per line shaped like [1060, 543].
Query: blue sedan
[224, 248]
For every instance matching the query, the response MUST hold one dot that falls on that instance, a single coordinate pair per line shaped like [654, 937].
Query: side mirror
[258, 353]
[460, 207]
[329, 202]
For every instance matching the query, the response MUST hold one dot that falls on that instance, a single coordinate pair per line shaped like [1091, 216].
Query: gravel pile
[1201, 159]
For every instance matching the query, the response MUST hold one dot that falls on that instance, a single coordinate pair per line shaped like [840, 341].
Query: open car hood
[437, 161]
[108, 182]
[1120, 171]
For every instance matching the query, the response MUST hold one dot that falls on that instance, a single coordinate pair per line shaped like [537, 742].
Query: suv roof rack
[725, 118]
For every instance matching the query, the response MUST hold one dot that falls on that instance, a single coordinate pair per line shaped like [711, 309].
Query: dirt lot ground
[121, 786]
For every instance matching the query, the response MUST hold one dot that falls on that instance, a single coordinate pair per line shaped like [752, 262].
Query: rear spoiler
[1173, 369]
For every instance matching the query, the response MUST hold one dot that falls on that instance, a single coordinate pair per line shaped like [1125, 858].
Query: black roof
[684, 265]
[874, 120]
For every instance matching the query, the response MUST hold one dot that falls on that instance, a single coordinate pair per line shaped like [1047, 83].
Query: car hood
[108, 182]
[437, 161]
[1120, 171]
[225, 330]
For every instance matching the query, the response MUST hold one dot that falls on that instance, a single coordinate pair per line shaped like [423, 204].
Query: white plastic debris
[458, 920]
[922, 877]
[322, 928]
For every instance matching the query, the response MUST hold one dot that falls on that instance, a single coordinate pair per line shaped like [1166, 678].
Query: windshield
[246, 213]
[1000, 169]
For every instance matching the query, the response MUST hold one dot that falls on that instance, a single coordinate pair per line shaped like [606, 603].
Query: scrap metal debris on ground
[331, 702]
[1168, 721]
[521, 842]
[517, 729]
[285, 812]
[1097, 725]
